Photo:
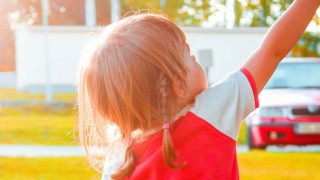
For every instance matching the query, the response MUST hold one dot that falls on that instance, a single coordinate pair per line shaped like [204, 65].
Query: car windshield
[295, 75]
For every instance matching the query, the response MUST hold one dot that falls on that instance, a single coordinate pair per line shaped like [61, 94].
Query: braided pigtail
[166, 108]
[169, 153]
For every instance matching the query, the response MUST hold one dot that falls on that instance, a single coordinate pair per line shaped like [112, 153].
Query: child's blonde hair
[126, 82]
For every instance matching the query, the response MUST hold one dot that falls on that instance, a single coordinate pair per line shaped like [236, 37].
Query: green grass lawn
[13, 94]
[242, 138]
[254, 165]
[271, 165]
[35, 124]
[46, 129]
[51, 168]
[42, 126]
[34, 127]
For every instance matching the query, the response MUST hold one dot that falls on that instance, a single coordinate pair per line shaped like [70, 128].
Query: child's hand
[279, 40]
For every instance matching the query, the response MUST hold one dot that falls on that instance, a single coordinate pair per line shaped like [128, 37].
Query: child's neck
[182, 112]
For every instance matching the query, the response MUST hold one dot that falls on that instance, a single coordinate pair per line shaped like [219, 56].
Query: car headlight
[273, 112]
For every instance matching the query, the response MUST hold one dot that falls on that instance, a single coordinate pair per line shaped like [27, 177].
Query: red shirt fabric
[206, 152]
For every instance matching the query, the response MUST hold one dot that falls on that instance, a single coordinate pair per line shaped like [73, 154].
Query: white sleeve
[113, 160]
[108, 169]
[228, 102]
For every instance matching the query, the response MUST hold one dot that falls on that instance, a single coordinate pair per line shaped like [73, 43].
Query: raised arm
[279, 40]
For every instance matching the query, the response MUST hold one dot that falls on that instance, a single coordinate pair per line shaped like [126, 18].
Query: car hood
[289, 97]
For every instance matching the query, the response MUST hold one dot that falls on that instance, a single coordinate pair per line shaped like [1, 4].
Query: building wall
[62, 54]
[230, 47]
[229, 50]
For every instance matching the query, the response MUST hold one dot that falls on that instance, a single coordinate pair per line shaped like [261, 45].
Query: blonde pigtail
[168, 151]
[166, 107]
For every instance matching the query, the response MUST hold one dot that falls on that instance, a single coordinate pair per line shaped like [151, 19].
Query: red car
[289, 111]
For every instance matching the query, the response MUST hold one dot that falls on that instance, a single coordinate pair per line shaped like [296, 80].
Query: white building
[223, 50]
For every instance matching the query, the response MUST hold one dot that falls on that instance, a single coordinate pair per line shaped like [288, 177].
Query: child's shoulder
[226, 103]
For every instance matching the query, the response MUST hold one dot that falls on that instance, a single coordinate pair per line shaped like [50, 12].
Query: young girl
[145, 108]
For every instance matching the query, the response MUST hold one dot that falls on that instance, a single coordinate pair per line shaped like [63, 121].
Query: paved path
[31, 151]
[42, 151]
[291, 148]
[7, 79]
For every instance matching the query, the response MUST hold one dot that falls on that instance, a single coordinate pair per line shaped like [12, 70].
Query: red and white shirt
[204, 139]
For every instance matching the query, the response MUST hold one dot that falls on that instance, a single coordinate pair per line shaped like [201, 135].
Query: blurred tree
[263, 13]
[238, 12]
[259, 12]
[308, 45]
[183, 12]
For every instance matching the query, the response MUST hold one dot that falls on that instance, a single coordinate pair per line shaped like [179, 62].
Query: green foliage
[190, 12]
[259, 13]
[193, 12]
[307, 45]
[238, 11]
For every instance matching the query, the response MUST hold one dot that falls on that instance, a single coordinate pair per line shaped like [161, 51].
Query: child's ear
[177, 89]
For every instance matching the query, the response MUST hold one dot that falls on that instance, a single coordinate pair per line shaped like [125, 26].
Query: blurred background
[41, 42]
